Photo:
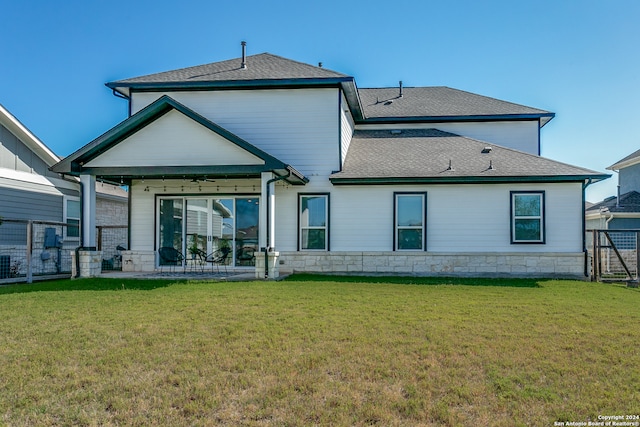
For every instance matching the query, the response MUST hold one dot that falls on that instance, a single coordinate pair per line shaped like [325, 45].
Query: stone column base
[90, 263]
[274, 270]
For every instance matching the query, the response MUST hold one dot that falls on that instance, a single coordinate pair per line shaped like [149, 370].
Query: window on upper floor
[527, 217]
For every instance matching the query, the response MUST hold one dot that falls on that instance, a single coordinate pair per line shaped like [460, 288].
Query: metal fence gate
[614, 255]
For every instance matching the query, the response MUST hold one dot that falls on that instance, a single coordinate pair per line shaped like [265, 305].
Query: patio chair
[171, 257]
[199, 259]
[218, 258]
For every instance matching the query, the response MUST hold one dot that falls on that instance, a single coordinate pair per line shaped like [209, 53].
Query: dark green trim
[463, 118]
[230, 84]
[126, 174]
[347, 84]
[466, 180]
[73, 164]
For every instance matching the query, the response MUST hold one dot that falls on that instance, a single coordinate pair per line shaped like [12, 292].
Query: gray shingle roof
[379, 155]
[629, 203]
[627, 161]
[377, 104]
[438, 101]
[264, 66]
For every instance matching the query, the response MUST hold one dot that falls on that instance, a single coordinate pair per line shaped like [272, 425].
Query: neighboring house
[623, 210]
[30, 191]
[265, 152]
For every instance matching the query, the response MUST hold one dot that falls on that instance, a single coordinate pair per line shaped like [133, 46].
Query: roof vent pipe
[244, 55]
[400, 95]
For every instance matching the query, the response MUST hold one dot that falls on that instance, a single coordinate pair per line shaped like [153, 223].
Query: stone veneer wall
[138, 261]
[473, 264]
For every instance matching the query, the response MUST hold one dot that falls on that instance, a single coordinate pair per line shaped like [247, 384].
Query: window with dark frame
[313, 219]
[72, 217]
[527, 217]
[410, 220]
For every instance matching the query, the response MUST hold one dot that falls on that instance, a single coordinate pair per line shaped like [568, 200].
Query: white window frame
[540, 217]
[423, 227]
[66, 218]
[301, 228]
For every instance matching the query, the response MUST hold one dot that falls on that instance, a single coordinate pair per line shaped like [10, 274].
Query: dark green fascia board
[469, 118]
[347, 84]
[468, 180]
[116, 174]
[73, 163]
[122, 130]
[228, 84]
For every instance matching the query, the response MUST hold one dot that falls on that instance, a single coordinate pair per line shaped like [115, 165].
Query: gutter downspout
[584, 228]
[267, 248]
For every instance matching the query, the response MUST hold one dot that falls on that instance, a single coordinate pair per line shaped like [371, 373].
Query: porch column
[88, 202]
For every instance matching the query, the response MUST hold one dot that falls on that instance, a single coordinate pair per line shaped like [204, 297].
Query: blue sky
[577, 58]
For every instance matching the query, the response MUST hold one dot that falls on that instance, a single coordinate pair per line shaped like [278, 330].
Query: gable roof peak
[258, 67]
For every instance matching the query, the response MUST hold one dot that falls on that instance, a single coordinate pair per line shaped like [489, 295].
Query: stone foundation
[471, 264]
[138, 261]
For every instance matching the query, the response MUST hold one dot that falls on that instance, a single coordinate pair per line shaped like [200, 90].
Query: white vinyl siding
[175, 140]
[462, 218]
[346, 130]
[298, 127]
[518, 135]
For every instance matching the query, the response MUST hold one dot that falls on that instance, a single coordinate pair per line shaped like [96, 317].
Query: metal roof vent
[396, 132]
[487, 150]
[244, 55]
[400, 94]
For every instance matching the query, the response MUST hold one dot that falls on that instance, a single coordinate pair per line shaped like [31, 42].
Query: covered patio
[193, 187]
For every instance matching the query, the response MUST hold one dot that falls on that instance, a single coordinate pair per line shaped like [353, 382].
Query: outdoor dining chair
[219, 258]
[170, 257]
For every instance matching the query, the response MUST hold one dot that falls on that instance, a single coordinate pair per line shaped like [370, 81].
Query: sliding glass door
[210, 224]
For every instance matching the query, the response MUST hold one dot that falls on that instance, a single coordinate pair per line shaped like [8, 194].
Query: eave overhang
[335, 180]
[543, 118]
[624, 164]
[347, 84]
[75, 163]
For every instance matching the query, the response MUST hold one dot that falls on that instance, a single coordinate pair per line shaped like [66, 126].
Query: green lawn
[318, 351]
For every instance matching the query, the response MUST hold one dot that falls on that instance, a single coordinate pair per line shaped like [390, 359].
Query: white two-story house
[293, 167]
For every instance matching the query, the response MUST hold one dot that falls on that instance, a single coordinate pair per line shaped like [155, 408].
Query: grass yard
[318, 351]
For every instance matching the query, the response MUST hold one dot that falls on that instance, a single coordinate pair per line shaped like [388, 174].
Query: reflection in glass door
[211, 224]
[171, 224]
[222, 219]
[246, 236]
[196, 227]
